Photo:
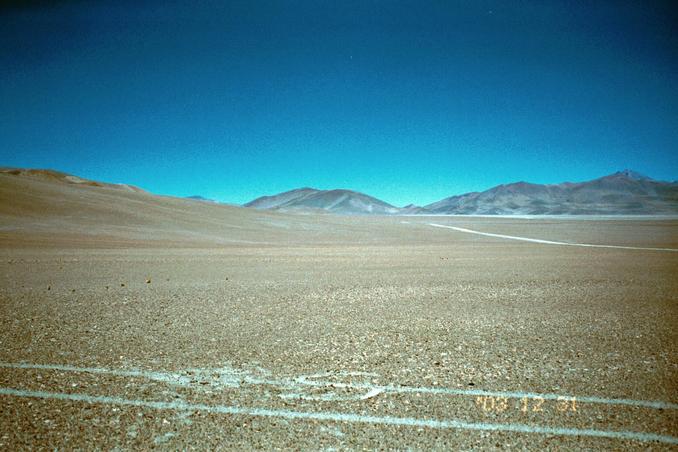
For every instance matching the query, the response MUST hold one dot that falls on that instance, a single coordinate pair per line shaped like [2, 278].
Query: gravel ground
[445, 341]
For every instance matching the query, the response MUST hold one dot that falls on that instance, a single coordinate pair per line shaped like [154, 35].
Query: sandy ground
[380, 333]
[129, 320]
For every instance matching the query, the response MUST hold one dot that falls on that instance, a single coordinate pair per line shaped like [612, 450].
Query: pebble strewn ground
[239, 326]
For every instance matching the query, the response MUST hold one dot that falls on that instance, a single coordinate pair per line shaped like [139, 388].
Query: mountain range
[622, 193]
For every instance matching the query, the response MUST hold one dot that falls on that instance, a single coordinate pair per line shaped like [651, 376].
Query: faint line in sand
[233, 378]
[447, 424]
[548, 242]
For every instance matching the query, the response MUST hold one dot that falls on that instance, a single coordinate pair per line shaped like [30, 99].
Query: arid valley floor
[134, 321]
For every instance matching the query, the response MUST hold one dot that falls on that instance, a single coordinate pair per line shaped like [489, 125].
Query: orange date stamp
[492, 404]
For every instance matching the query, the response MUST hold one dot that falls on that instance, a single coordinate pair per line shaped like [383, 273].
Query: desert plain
[134, 321]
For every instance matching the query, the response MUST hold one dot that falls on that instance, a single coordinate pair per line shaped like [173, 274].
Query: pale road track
[343, 417]
[547, 242]
[312, 381]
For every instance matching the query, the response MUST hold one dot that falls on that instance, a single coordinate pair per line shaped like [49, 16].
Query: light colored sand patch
[162, 439]
[335, 431]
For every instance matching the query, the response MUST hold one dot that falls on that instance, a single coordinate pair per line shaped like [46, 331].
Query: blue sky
[407, 101]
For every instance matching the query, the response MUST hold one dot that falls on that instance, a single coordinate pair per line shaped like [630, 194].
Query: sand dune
[43, 207]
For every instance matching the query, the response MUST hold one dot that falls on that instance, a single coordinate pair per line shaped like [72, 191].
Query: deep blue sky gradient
[408, 101]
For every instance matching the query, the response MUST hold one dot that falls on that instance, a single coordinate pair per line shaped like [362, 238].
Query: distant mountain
[334, 201]
[201, 198]
[624, 192]
[412, 209]
[632, 175]
[281, 199]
